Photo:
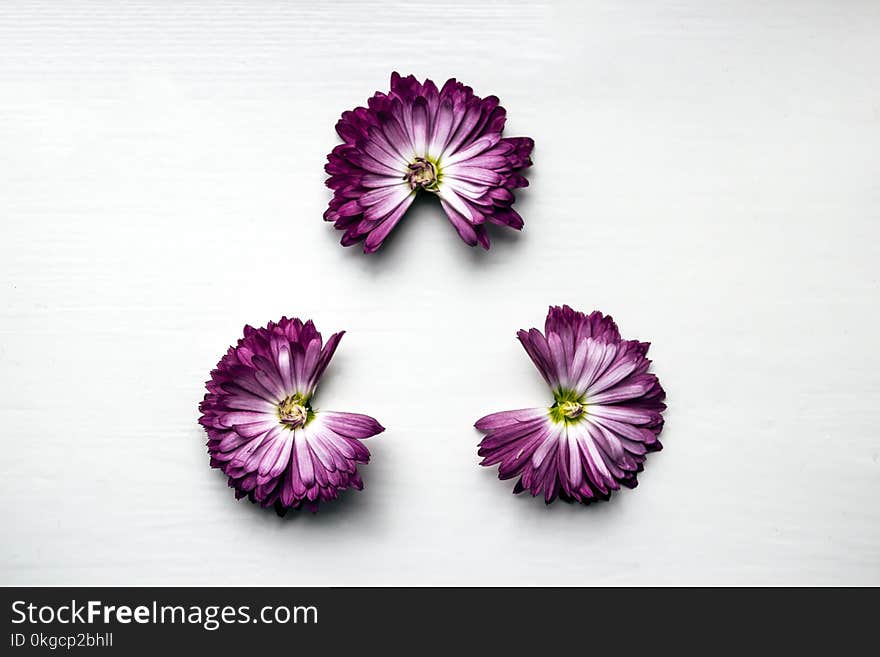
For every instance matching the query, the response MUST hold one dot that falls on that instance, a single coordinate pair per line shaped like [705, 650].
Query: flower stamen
[422, 174]
[572, 409]
[294, 412]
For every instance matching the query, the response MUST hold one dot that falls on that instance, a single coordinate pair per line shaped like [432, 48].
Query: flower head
[417, 138]
[605, 416]
[262, 430]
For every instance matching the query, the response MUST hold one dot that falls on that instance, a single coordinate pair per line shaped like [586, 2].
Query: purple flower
[416, 138]
[262, 430]
[605, 418]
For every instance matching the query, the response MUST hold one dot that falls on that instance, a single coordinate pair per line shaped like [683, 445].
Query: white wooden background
[708, 173]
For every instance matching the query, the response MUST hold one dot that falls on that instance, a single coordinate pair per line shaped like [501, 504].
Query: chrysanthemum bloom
[262, 430]
[417, 138]
[605, 417]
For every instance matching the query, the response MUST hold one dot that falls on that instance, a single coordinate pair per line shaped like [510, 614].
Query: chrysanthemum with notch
[417, 138]
[263, 432]
[605, 417]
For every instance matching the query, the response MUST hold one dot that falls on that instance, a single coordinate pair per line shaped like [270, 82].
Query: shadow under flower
[353, 506]
[535, 505]
[350, 505]
[426, 207]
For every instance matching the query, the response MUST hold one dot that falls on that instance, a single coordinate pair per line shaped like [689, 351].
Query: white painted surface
[708, 173]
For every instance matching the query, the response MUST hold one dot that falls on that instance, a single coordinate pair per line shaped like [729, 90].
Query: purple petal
[502, 419]
[583, 455]
[450, 128]
[352, 425]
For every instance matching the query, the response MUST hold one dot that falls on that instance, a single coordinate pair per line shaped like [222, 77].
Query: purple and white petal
[263, 433]
[605, 418]
[445, 142]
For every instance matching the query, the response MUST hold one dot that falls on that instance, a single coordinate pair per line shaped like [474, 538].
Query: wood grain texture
[705, 172]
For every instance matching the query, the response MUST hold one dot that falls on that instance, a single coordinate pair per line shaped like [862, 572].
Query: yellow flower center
[572, 409]
[293, 412]
[422, 173]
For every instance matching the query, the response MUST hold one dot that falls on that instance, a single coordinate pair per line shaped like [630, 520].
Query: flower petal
[254, 439]
[353, 425]
[455, 131]
[585, 455]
